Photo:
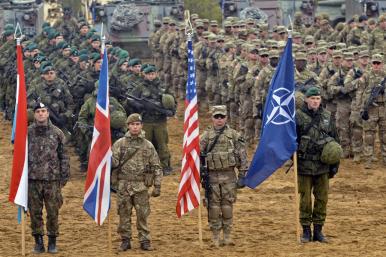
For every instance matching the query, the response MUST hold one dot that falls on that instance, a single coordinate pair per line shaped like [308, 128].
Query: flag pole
[297, 215]
[22, 231]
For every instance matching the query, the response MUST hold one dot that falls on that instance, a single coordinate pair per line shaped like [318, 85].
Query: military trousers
[157, 133]
[343, 111]
[356, 124]
[126, 202]
[377, 118]
[47, 193]
[317, 185]
[221, 200]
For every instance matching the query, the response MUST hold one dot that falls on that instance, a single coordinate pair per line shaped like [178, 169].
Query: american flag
[189, 189]
[18, 192]
[96, 200]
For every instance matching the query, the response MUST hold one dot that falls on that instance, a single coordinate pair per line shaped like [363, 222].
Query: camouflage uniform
[48, 172]
[137, 157]
[313, 175]
[377, 37]
[212, 83]
[227, 154]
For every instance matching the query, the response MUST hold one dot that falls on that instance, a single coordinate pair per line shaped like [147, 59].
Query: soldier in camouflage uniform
[48, 173]
[212, 83]
[137, 165]
[155, 122]
[67, 25]
[201, 54]
[373, 114]
[225, 152]
[302, 73]
[377, 38]
[358, 35]
[313, 175]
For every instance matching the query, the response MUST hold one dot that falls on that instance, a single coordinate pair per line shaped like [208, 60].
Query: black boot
[125, 245]
[146, 246]
[52, 244]
[306, 237]
[39, 244]
[318, 235]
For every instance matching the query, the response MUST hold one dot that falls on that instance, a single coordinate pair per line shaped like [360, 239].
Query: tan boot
[228, 238]
[368, 164]
[357, 158]
[215, 239]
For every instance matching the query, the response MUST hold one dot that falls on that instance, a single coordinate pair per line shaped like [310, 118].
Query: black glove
[365, 115]
[169, 113]
[259, 108]
[156, 191]
[333, 170]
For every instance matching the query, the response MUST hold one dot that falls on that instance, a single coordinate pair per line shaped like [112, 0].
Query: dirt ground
[264, 223]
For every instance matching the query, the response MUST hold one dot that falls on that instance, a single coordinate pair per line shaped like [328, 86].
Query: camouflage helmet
[118, 120]
[168, 101]
[331, 154]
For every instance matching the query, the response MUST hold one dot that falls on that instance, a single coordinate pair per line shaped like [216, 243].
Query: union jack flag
[189, 189]
[96, 200]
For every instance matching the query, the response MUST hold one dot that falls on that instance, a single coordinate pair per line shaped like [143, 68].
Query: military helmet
[331, 154]
[168, 101]
[118, 120]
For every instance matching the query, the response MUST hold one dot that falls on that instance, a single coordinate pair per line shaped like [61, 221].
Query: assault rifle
[145, 104]
[204, 174]
[303, 87]
[375, 92]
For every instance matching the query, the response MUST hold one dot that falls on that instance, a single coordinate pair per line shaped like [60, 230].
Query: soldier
[358, 35]
[155, 122]
[315, 129]
[225, 152]
[48, 173]
[302, 73]
[137, 165]
[212, 83]
[377, 38]
[373, 113]
[67, 25]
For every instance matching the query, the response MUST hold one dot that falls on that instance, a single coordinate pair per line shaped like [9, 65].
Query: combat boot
[125, 245]
[318, 235]
[368, 164]
[357, 158]
[228, 238]
[167, 171]
[39, 244]
[146, 246]
[52, 244]
[215, 239]
[306, 237]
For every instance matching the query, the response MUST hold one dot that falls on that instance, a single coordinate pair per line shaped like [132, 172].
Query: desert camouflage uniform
[48, 172]
[132, 189]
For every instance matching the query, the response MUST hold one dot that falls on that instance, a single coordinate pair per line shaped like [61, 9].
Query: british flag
[96, 200]
[189, 189]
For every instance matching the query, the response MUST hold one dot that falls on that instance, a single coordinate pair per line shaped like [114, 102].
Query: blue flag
[278, 136]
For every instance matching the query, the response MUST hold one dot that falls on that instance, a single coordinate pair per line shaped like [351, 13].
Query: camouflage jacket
[47, 157]
[311, 142]
[136, 156]
[370, 80]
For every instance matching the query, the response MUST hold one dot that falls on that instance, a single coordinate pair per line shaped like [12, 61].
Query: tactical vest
[223, 155]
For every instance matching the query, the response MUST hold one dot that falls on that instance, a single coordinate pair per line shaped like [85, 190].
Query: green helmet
[168, 101]
[118, 120]
[332, 151]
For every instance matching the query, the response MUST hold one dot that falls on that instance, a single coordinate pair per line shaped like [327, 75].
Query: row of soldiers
[235, 64]
[62, 68]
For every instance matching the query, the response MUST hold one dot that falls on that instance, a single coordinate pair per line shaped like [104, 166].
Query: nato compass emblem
[282, 109]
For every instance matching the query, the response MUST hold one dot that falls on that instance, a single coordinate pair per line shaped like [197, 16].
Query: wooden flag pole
[297, 215]
[109, 237]
[22, 232]
[200, 225]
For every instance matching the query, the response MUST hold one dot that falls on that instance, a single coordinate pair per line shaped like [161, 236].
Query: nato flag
[278, 136]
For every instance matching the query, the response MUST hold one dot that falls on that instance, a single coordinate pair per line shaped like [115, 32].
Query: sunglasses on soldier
[377, 63]
[219, 116]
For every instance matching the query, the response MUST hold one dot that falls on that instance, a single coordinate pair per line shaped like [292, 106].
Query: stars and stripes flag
[18, 192]
[189, 189]
[96, 200]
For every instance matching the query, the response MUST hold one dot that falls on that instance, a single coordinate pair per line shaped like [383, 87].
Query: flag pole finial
[15, 35]
[291, 26]
[188, 24]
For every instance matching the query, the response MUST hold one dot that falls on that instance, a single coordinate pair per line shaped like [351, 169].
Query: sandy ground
[264, 223]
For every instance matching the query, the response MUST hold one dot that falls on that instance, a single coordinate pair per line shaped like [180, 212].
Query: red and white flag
[18, 192]
[189, 189]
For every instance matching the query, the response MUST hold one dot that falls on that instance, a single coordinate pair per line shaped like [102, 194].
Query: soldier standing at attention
[138, 168]
[316, 130]
[225, 152]
[48, 172]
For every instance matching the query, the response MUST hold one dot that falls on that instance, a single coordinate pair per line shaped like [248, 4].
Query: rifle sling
[126, 159]
[210, 147]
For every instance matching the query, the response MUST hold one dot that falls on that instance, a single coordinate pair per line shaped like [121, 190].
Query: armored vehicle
[28, 13]
[128, 24]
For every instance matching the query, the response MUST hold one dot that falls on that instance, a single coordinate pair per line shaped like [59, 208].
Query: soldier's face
[84, 30]
[136, 68]
[135, 127]
[49, 75]
[98, 64]
[151, 76]
[219, 121]
[313, 102]
[364, 60]
[377, 66]
[337, 61]
[95, 44]
[322, 57]
[41, 116]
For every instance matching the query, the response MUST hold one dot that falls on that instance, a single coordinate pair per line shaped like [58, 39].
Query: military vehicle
[128, 24]
[28, 13]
